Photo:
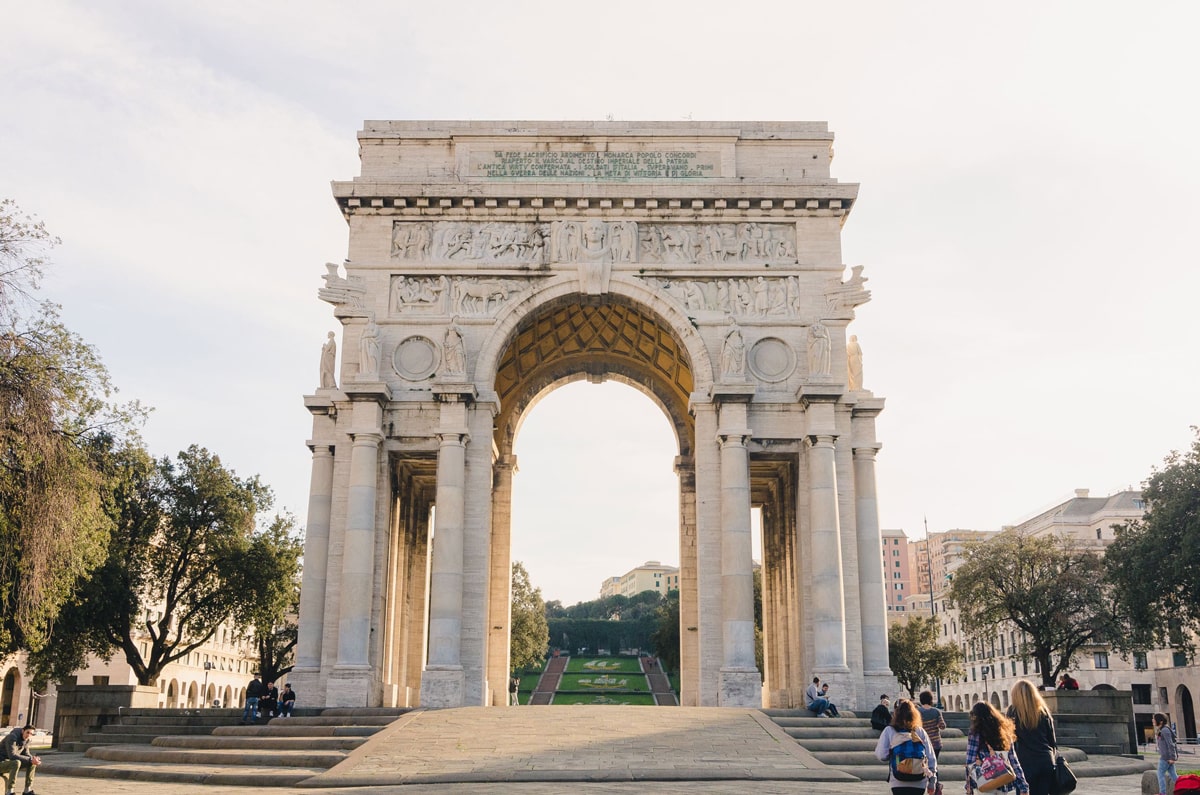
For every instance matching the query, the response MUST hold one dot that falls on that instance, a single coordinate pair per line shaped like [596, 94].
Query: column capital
[867, 451]
[809, 394]
[456, 392]
[452, 438]
[821, 440]
[733, 437]
[320, 448]
[363, 438]
[732, 393]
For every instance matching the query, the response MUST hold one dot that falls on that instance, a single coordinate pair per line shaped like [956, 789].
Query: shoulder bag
[990, 771]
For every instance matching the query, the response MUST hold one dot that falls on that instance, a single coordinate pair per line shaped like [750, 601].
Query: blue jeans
[819, 705]
[1166, 770]
[251, 710]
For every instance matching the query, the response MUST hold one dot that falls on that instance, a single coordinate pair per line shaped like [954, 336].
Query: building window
[1141, 694]
[1101, 658]
[1139, 662]
[1162, 695]
[1139, 504]
[1179, 659]
[897, 564]
[1003, 672]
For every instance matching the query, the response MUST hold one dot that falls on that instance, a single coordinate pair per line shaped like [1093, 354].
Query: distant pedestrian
[881, 716]
[1037, 745]
[287, 701]
[1068, 682]
[254, 692]
[16, 754]
[514, 685]
[933, 722]
[1168, 753]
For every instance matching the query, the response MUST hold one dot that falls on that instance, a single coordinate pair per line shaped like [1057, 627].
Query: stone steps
[238, 756]
[261, 742]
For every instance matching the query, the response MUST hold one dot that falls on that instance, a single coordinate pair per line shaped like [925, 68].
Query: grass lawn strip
[604, 665]
[630, 699]
[604, 683]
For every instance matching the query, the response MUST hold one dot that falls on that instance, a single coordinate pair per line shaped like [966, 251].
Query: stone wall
[80, 707]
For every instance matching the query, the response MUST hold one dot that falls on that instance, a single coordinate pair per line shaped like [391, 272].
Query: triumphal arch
[489, 263]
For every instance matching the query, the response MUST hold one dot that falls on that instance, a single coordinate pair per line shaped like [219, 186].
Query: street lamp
[208, 666]
[932, 607]
[983, 669]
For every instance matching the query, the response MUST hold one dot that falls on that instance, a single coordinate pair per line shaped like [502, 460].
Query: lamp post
[983, 669]
[208, 666]
[937, 682]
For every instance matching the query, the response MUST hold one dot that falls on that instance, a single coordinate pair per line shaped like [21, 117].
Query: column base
[739, 687]
[442, 687]
[309, 682]
[843, 689]
[350, 686]
[877, 683]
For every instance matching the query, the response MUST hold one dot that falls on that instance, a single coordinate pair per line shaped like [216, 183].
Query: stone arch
[9, 696]
[1186, 719]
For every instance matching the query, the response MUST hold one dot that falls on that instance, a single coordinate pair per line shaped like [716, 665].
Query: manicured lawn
[604, 665]
[674, 679]
[529, 682]
[603, 683]
[630, 699]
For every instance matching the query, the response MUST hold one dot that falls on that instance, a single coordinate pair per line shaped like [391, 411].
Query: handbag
[1064, 778]
[990, 772]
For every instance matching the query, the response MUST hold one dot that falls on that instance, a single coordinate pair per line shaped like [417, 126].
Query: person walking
[991, 732]
[16, 754]
[904, 745]
[1036, 743]
[932, 721]
[514, 685]
[254, 691]
[1168, 753]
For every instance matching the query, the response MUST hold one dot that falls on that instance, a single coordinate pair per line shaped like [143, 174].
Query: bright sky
[1027, 220]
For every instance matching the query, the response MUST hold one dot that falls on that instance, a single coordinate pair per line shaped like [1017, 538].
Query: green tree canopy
[57, 424]
[1053, 594]
[529, 638]
[915, 656]
[665, 639]
[1153, 563]
[184, 557]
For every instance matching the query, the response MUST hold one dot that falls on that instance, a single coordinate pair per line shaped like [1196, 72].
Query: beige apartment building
[1161, 680]
[650, 576]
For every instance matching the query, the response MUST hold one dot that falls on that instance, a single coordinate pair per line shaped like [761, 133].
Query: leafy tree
[529, 637]
[56, 425]
[1054, 594]
[185, 542]
[1152, 564]
[272, 573]
[915, 655]
[665, 638]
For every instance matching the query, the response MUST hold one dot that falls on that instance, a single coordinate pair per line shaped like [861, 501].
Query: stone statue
[733, 355]
[328, 361]
[854, 363]
[454, 358]
[368, 350]
[818, 350]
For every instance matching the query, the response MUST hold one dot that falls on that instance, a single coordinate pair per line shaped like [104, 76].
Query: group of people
[267, 700]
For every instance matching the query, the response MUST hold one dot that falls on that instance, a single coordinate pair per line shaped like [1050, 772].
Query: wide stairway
[211, 747]
[848, 744]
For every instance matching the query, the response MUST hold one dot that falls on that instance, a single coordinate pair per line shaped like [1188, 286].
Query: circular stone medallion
[416, 358]
[771, 359]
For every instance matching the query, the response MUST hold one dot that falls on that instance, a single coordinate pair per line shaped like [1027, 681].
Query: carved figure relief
[819, 362]
[854, 364]
[758, 297]
[747, 242]
[328, 363]
[494, 241]
[368, 351]
[344, 293]
[733, 356]
[454, 357]
[594, 241]
[469, 296]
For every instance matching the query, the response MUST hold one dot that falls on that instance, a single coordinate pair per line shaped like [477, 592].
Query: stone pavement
[586, 749]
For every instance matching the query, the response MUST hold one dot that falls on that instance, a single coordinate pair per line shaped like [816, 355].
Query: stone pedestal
[739, 687]
[351, 686]
[442, 687]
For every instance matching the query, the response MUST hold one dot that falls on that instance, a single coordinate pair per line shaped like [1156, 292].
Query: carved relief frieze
[842, 296]
[716, 243]
[756, 297]
[462, 241]
[465, 296]
[594, 241]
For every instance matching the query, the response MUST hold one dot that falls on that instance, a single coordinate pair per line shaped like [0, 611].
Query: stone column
[689, 636]
[741, 685]
[442, 681]
[316, 559]
[350, 685]
[870, 565]
[825, 567]
[500, 596]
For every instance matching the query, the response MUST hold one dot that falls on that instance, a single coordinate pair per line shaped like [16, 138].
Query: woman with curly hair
[913, 771]
[1036, 743]
[991, 732]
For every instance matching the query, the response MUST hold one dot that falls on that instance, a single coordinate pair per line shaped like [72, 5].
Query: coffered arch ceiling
[573, 339]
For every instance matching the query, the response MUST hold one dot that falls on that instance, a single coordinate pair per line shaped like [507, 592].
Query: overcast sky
[1027, 219]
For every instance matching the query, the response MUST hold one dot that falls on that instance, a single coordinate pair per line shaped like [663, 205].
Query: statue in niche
[328, 362]
[854, 363]
[454, 357]
[368, 350]
[733, 355]
[818, 350]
